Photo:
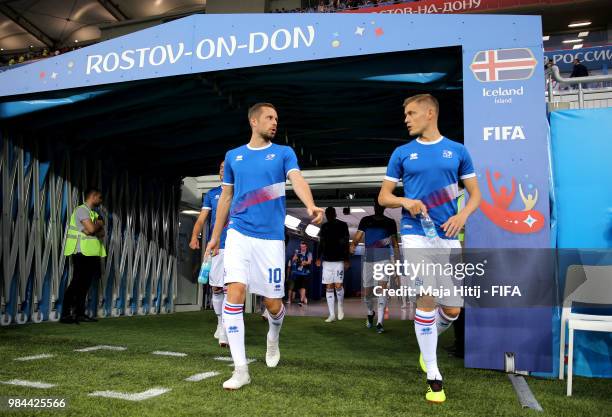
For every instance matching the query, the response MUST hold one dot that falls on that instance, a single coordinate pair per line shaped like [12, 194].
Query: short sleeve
[290, 162]
[206, 203]
[82, 214]
[466, 168]
[228, 173]
[362, 225]
[323, 231]
[395, 170]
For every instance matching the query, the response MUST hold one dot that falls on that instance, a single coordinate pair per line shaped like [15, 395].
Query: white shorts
[216, 271]
[433, 252]
[367, 273]
[257, 263]
[333, 272]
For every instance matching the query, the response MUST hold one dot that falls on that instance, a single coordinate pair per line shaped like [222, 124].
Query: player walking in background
[430, 168]
[253, 199]
[380, 235]
[209, 206]
[334, 247]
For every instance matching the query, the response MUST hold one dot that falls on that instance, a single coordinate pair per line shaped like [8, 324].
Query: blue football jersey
[430, 172]
[210, 201]
[378, 231]
[258, 176]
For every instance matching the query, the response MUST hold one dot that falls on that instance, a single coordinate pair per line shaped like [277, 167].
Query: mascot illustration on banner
[525, 221]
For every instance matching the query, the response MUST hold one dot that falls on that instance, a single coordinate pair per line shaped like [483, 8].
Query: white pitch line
[31, 358]
[248, 362]
[32, 384]
[100, 347]
[139, 396]
[165, 353]
[202, 376]
[229, 359]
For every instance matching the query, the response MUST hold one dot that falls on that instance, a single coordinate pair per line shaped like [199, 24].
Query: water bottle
[205, 270]
[428, 226]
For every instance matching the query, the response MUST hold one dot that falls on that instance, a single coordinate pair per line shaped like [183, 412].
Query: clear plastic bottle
[428, 226]
[205, 270]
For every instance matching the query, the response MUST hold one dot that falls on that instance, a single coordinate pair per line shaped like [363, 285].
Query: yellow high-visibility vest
[89, 245]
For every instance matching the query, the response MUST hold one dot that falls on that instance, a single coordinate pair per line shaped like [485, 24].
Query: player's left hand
[316, 213]
[454, 224]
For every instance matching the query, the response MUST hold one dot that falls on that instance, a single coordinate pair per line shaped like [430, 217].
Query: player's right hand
[195, 243]
[415, 207]
[213, 245]
[316, 213]
[318, 263]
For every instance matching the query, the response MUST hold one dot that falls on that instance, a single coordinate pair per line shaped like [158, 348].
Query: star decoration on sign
[71, 64]
[379, 32]
[359, 31]
[54, 75]
[529, 221]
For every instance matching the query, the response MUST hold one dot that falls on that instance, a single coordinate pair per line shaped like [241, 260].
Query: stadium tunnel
[137, 140]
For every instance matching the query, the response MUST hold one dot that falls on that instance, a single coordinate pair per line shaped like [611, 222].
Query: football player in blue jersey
[430, 168]
[209, 207]
[253, 205]
[379, 234]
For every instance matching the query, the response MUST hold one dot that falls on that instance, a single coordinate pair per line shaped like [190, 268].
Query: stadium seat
[585, 285]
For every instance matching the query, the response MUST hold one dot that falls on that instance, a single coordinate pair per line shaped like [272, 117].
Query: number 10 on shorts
[274, 275]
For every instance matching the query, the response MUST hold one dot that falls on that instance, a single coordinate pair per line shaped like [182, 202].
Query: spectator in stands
[579, 70]
[548, 74]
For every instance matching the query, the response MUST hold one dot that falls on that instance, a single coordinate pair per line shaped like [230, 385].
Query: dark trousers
[86, 269]
[459, 327]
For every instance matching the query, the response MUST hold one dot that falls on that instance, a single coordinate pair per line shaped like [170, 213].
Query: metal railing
[555, 75]
[40, 187]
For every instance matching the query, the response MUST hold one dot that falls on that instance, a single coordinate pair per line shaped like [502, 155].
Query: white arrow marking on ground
[202, 376]
[32, 384]
[31, 358]
[100, 347]
[164, 353]
[139, 396]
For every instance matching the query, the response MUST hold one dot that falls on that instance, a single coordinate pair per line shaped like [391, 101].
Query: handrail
[576, 80]
[590, 79]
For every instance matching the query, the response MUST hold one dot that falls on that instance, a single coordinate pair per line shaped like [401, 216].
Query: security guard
[84, 245]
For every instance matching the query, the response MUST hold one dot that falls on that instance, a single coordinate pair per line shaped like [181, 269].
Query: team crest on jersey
[414, 155]
[270, 156]
[239, 158]
[447, 154]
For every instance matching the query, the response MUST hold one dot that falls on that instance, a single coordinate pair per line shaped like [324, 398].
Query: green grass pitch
[337, 369]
